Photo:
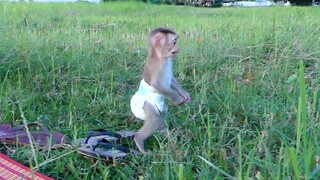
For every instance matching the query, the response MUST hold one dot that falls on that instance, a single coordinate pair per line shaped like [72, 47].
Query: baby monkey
[157, 84]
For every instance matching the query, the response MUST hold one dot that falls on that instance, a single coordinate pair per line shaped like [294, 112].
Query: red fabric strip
[28, 175]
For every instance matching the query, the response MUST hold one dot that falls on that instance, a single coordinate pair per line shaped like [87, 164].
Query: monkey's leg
[152, 123]
[163, 127]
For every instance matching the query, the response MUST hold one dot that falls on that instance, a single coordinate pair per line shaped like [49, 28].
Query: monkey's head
[164, 41]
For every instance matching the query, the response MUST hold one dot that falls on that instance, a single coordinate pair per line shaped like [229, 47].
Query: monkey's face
[171, 49]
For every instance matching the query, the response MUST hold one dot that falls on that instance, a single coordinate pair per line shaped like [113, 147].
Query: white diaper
[146, 93]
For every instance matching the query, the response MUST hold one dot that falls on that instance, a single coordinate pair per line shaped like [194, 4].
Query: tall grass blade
[314, 103]
[217, 168]
[303, 103]
[181, 175]
[240, 157]
[280, 163]
[294, 162]
[298, 125]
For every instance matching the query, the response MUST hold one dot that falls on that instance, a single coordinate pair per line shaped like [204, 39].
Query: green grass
[253, 74]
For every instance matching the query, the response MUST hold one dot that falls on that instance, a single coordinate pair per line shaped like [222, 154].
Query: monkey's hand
[181, 91]
[186, 96]
[178, 100]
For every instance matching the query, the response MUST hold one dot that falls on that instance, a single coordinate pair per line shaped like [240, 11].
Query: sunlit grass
[253, 74]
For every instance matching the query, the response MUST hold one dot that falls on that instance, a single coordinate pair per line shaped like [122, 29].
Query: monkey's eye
[174, 42]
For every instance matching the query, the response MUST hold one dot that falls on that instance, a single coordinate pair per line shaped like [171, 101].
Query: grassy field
[253, 74]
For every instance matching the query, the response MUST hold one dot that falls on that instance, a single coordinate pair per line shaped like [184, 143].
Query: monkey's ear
[157, 41]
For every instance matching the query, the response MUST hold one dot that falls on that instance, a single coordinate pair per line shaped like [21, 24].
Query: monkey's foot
[164, 132]
[140, 144]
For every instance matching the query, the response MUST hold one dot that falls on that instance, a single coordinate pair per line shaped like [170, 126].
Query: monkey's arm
[175, 84]
[168, 92]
